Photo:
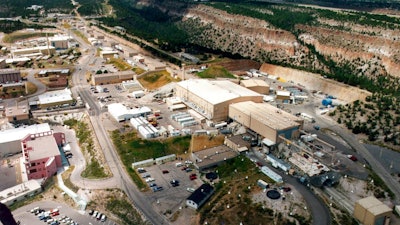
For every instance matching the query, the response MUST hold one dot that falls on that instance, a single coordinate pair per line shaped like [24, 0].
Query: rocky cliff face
[370, 51]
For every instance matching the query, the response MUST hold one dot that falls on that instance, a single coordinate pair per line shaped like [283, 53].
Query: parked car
[165, 171]
[174, 183]
[141, 170]
[150, 179]
[157, 188]
[191, 190]
[152, 185]
[146, 175]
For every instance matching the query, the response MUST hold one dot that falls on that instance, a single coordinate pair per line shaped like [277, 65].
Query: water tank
[326, 102]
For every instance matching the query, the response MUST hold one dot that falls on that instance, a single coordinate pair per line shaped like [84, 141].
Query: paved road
[319, 211]
[120, 178]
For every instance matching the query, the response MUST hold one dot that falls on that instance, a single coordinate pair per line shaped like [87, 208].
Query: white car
[150, 179]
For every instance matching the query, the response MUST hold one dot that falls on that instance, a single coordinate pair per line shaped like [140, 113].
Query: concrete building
[108, 54]
[237, 143]
[10, 141]
[267, 120]
[20, 192]
[211, 98]
[271, 174]
[3, 63]
[371, 211]
[59, 41]
[17, 112]
[259, 86]
[122, 113]
[9, 76]
[200, 196]
[112, 78]
[52, 98]
[213, 156]
[41, 154]
[283, 96]
[60, 72]
[34, 51]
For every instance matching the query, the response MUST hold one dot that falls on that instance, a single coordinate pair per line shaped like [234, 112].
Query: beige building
[211, 98]
[259, 86]
[35, 51]
[371, 211]
[17, 112]
[108, 54]
[112, 78]
[267, 120]
[3, 63]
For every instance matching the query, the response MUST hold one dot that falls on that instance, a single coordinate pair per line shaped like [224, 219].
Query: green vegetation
[138, 70]
[215, 71]
[156, 79]
[120, 64]
[133, 149]
[378, 118]
[17, 36]
[67, 181]
[93, 168]
[381, 185]
[233, 190]
[92, 7]
[119, 206]
[81, 35]
[12, 8]
[9, 26]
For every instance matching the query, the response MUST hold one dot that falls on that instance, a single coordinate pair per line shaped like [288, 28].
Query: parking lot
[170, 198]
[25, 217]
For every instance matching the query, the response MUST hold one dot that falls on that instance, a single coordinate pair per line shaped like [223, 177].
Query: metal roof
[16, 134]
[267, 114]
[216, 91]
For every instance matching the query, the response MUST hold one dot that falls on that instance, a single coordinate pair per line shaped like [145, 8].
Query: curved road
[319, 211]
[120, 178]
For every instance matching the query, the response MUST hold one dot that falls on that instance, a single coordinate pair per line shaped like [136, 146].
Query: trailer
[307, 117]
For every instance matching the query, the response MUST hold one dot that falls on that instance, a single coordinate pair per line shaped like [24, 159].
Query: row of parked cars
[97, 215]
[52, 217]
[154, 187]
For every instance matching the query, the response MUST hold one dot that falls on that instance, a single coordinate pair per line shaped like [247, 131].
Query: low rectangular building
[212, 156]
[121, 113]
[35, 51]
[371, 211]
[267, 120]
[112, 78]
[259, 86]
[20, 192]
[9, 76]
[17, 112]
[200, 196]
[52, 98]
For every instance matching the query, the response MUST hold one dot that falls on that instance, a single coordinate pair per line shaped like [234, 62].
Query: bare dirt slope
[314, 81]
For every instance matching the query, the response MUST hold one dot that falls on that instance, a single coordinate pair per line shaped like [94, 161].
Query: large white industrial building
[51, 98]
[10, 141]
[211, 98]
[122, 113]
[267, 120]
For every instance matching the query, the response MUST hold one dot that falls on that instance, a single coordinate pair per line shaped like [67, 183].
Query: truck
[137, 94]
[307, 117]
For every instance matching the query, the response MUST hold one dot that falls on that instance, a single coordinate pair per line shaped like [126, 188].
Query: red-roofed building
[41, 154]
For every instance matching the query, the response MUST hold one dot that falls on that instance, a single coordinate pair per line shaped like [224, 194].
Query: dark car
[174, 183]
[165, 171]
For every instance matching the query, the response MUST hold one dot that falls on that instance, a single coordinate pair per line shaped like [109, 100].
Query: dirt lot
[316, 82]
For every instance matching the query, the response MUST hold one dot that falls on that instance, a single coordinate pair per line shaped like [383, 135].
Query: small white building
[122, 113]
[271, 174]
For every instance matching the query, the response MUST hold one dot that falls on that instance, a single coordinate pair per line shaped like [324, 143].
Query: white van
[103, 218]
[178, 164]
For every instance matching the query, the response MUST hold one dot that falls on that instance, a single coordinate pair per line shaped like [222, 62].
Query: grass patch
[119, 206]
[138, 70]
[214, 72]
[31, 87]
[381, 184]
[154, 80]
[66, 175]
[233, 183]
[120, 64]
[93, 168]
[66, 26]
[17, 36]
[81, 35]
[133, 149]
